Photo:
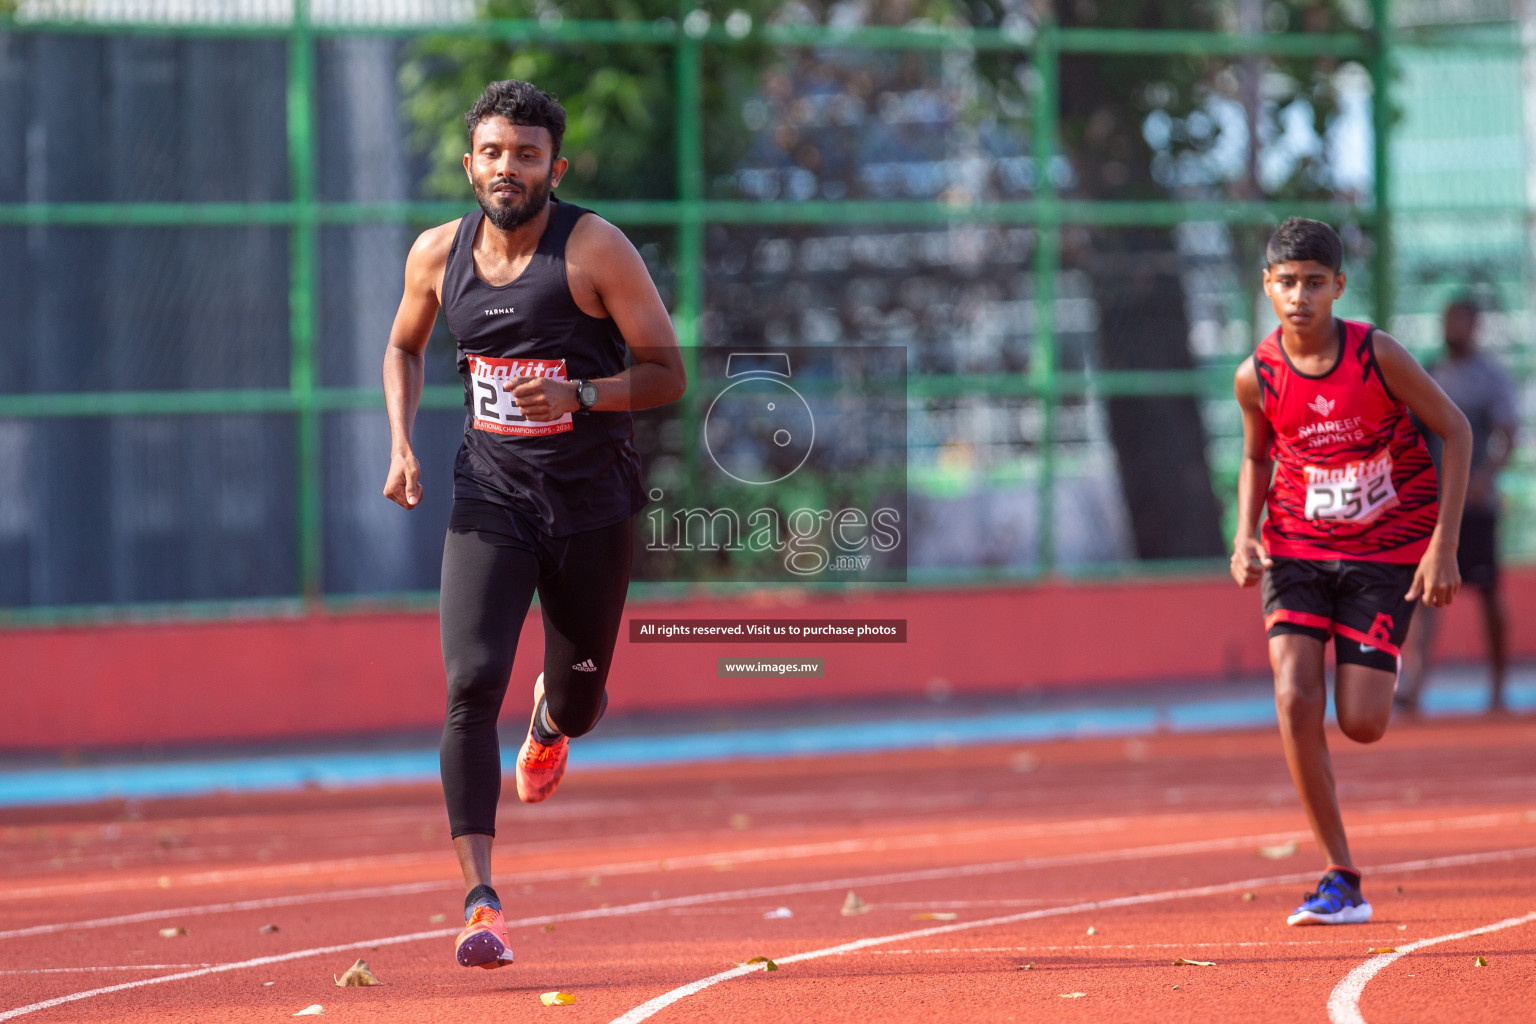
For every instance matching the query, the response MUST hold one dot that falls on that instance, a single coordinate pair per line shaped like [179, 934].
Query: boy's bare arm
[1437, 578]
[1249, 559]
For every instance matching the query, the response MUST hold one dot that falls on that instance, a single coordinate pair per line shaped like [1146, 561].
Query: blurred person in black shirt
[1484, 393]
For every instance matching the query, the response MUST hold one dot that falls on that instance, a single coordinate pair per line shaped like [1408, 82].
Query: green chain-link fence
[1406, 257]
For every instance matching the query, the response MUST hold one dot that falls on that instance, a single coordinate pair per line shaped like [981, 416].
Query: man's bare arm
[1437, 578]
[404, 371]
[608, 277]
[1249, 559]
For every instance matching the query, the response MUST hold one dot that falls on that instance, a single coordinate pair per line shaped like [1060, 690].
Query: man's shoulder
[439, 238]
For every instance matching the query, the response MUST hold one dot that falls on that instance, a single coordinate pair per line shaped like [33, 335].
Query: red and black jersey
[1353, 477]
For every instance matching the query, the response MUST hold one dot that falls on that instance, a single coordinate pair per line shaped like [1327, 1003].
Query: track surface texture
[1098, 862]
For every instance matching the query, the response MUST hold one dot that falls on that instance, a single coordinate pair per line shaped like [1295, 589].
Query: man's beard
[507, 216]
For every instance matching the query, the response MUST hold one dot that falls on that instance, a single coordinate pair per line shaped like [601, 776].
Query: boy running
[1354, 532]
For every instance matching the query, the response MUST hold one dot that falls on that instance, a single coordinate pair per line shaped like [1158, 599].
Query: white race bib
[495, 410]
[1355, 492]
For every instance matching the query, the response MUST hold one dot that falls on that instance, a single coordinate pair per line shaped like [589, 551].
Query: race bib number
[495, 411]
[1356, 492]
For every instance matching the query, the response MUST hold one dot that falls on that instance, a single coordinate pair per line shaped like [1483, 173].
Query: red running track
[1098, 862]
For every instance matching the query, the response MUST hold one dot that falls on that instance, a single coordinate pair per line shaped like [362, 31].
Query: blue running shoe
[1336, 901]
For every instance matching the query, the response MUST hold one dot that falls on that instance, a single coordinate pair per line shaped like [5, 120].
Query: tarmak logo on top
[500, 312]
[1322, 406]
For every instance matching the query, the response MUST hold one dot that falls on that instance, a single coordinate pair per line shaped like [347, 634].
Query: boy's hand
[1437, 578]
[1249, 560]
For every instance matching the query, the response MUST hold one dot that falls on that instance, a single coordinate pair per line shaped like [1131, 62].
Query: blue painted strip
[30, 787]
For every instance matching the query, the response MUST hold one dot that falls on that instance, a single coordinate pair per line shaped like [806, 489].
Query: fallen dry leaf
[1279, 851]
[1175, 988]
[311, 1011]
[1249, 897]
[853, 905]
[268, 929]
[594, 881]
[1093, 930]
[1383, 949]
[1181, 962]
[549, 927]
[1073, 995]
[556, 998]
[768, 965]
[357, 976]
[935, 916]
[1481, 961]
[1027, 967]
[171, 933]
[438, 918]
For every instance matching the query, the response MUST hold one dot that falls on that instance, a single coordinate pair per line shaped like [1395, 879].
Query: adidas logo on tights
[585, 666]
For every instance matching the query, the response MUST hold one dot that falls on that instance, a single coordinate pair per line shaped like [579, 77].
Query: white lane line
[924, 840]
[806, 887]
[267, 903]
[649, 1009]
[1168, 850]
[762, 854]
[865, 881]
[651, 866]
[841, 847]
[1126, 945]
[1344, 1000]
[122, 967]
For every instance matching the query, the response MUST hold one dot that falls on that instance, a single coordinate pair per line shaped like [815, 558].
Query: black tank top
[580, 473]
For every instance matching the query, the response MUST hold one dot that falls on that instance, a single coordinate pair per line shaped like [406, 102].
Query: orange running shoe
[539, 768]
[484, 941]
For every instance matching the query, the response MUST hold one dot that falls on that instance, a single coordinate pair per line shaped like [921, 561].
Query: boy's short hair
[1299, 239]
[520, 103]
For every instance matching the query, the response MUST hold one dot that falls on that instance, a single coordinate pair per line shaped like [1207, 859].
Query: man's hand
[542, 399]
[1437, 578]
[404, 484]
[1249, 560]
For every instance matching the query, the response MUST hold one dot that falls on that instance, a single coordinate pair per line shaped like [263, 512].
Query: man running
[1354, 532]
[543, 299]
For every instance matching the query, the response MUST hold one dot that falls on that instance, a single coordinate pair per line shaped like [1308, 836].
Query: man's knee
[574, 713]
[476, 682]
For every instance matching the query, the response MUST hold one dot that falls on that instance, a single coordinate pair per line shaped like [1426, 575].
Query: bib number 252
[1356, 492]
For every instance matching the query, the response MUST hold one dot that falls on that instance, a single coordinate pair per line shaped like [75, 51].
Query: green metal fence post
[1042, 347]
[1383, 296]
[690, 226]
[303, 272]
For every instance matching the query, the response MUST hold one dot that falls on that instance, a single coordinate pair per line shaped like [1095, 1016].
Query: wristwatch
[586, 394]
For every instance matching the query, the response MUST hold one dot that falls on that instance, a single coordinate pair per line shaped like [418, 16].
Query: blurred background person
[1477, 383]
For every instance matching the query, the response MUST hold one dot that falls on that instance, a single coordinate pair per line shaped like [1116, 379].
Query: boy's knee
[1296, 701]
[1363, 729]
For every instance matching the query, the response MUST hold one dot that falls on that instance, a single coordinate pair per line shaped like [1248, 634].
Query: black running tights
[490, 574]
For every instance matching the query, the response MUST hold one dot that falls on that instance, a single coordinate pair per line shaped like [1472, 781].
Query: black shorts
[1477, 552]
[1363, 605]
